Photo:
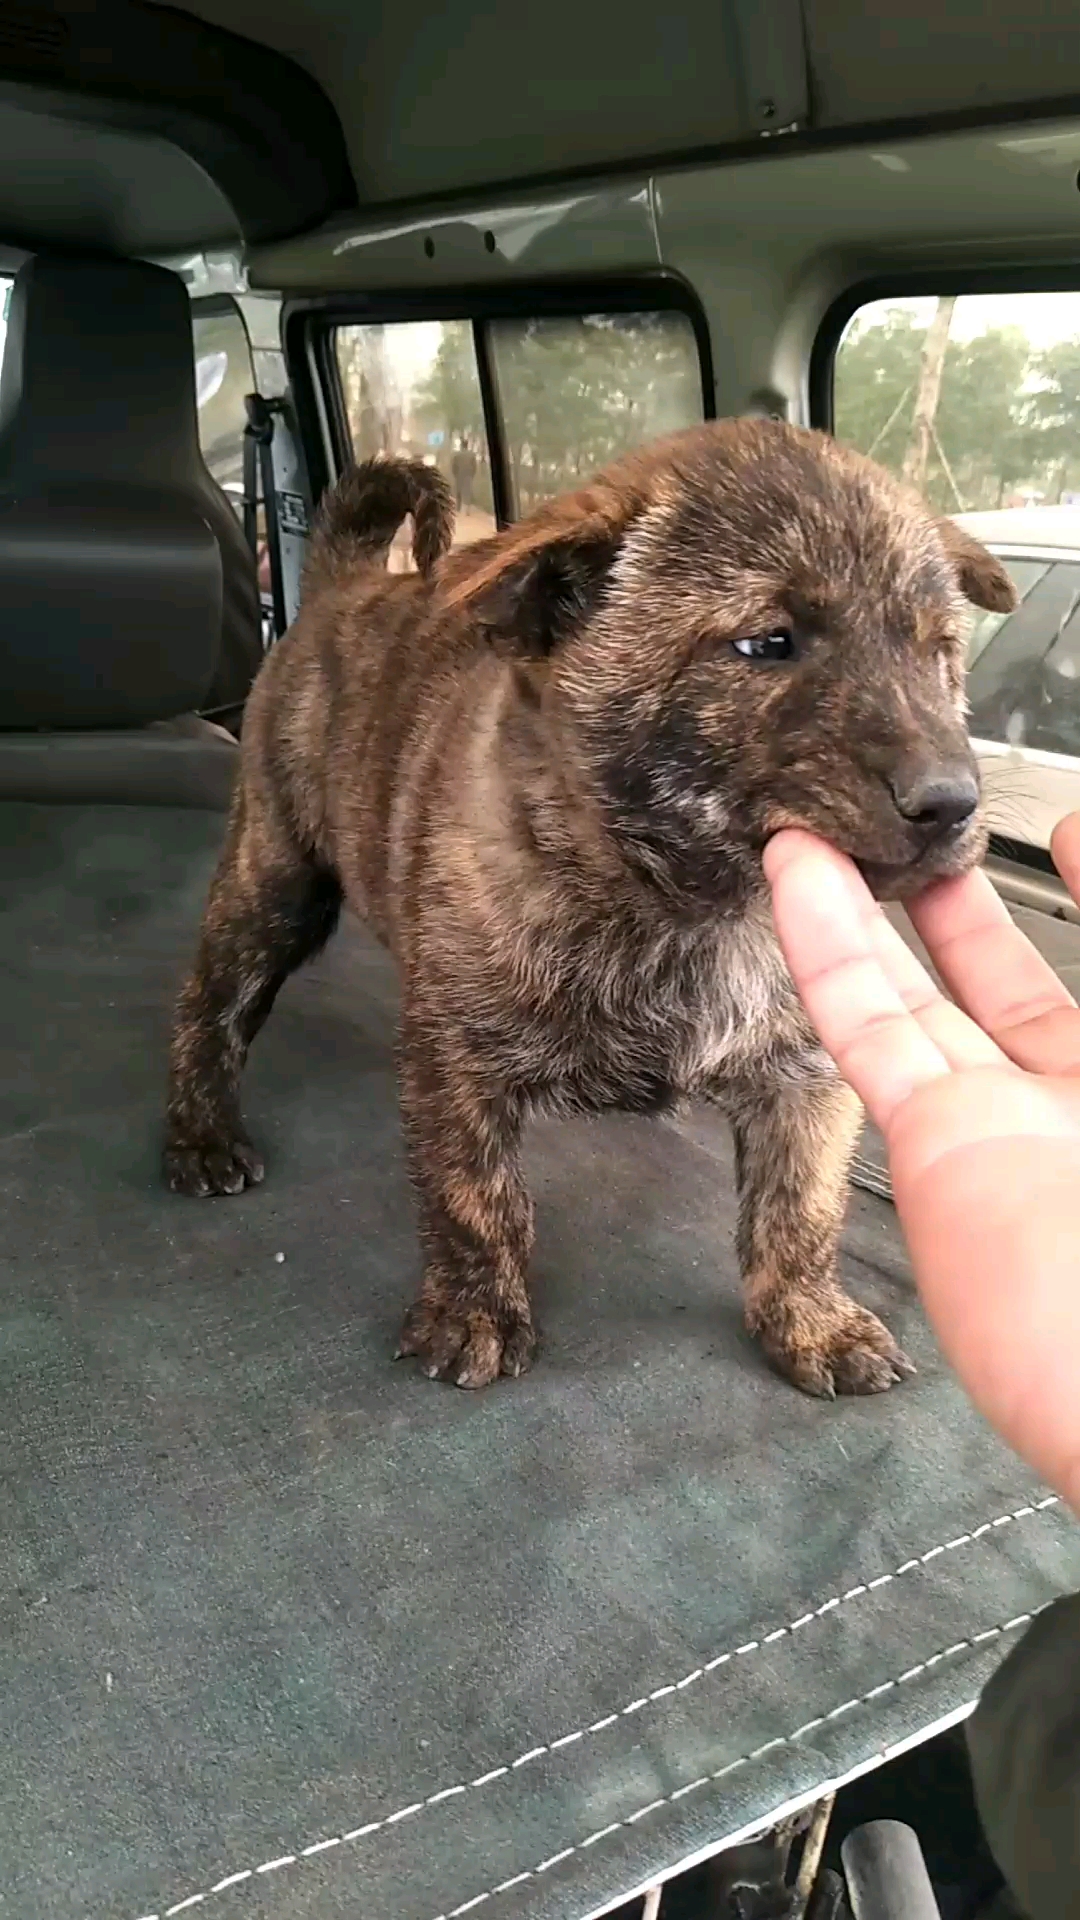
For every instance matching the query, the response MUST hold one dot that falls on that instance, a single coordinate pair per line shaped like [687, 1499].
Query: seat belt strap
[271, 442]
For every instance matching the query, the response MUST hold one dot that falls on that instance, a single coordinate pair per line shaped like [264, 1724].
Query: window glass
[413, 388]
[223, 378]
[974, 398]
[1024, 689]
[1026, 574]
[576, 393]
[573, 393]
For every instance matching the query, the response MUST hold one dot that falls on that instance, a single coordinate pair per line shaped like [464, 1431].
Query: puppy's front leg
[472, 1320]
[794, 1139]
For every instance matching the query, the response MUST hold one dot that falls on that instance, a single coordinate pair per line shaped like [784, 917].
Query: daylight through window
[413, 388]
[572, 394]
[576, 393]
[974, 398]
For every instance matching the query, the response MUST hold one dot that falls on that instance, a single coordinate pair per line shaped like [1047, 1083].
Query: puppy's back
[345, 701]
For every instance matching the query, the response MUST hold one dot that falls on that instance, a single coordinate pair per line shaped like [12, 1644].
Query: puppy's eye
[765, 646]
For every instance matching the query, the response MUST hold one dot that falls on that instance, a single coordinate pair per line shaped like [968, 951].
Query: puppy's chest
[689, 1018]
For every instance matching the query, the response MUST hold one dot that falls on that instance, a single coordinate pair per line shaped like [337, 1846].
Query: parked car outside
[1024, 673]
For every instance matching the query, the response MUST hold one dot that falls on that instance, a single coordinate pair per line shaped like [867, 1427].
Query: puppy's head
[747, 627]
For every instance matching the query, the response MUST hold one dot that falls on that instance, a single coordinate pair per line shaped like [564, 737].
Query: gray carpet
[261, 1589]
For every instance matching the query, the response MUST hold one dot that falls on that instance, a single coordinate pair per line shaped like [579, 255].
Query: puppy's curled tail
[361, 513]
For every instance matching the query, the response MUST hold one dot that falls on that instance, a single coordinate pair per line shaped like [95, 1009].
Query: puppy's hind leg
[794, 1139]
[270, 908]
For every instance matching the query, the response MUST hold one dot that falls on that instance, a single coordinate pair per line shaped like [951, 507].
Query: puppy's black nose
[938, 800]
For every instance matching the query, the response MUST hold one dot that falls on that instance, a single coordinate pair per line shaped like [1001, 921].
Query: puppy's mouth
[945, 859]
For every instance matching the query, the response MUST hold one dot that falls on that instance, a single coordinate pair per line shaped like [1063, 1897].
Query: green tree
[576, 393]
[876, 372]
[448, 400]
[1054, 413]
[981, 424]
[1003, 417]
[923, 435]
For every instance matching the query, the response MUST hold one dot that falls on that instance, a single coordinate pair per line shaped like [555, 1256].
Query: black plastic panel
[258, 127]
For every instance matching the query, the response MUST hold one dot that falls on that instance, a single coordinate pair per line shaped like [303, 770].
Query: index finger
[823, 914]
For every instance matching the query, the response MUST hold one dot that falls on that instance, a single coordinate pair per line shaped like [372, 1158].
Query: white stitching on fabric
[733, 1766]
[635, 1706]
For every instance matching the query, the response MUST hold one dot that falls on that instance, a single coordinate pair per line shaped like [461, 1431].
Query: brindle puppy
[543, 769]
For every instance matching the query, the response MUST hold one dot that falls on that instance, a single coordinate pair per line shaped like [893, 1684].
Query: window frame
[308, 326]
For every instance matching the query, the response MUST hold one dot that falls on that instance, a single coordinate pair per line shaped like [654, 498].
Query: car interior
[288, 1632]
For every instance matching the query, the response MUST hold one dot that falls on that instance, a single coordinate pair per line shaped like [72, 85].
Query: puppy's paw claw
[851, 1354]
[211, 1165]
[469, 1346]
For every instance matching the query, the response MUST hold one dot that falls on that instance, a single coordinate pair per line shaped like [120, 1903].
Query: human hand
[979, 1104]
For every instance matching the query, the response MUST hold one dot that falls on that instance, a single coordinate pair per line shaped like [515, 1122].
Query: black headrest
[110, 577]
[98, 353]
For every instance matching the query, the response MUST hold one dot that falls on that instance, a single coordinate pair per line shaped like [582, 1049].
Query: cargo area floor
[287, 1630]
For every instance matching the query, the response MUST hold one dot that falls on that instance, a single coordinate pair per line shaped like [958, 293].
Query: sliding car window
[576, 393]
[974, 398]
[569, 394]
[224, 376]
[414, 388]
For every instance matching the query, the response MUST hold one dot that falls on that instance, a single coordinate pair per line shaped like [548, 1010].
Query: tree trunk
[515, 468]
[381, 387]
[931, 367]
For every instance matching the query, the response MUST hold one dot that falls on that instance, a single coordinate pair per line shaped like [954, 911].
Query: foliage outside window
[573, 394]
[974, 398]
[577, 393]
[413, 388]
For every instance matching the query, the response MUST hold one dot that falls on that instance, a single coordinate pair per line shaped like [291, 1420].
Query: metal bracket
[773, 60]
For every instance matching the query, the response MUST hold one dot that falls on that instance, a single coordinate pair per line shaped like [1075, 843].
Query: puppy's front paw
[824, 1351]
[467, 1344]
[210, 1163]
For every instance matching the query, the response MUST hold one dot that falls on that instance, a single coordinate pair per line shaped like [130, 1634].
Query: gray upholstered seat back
[110, 574]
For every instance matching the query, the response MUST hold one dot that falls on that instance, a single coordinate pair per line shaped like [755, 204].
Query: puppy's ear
[535, 604]
[983, 579]
[530, 587]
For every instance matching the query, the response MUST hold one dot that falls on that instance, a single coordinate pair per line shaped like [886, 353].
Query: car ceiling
[443, 98]
[246, 121]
